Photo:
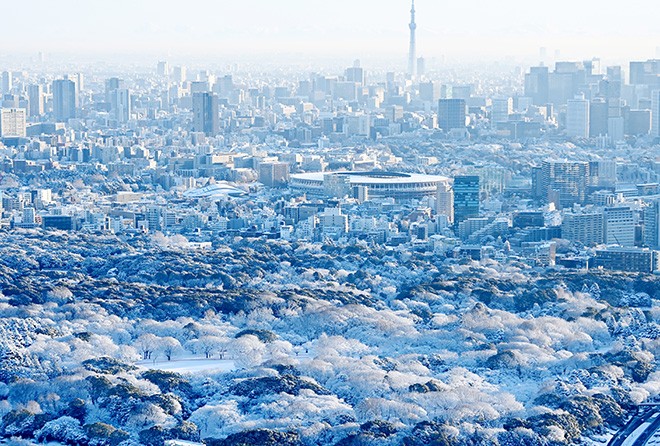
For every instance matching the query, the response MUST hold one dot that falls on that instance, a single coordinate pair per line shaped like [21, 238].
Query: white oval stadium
[397, 185]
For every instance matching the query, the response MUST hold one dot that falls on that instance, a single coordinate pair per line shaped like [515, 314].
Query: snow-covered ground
[598, 440]
[189, 365]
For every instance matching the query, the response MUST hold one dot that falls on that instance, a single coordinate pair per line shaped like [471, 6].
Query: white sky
[355, 28]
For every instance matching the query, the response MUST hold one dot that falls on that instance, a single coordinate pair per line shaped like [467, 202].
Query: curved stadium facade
[397, 185]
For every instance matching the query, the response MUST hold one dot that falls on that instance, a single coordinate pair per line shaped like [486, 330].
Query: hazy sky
[355, 28]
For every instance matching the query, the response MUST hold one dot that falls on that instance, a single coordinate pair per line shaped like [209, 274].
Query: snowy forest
[108, 341]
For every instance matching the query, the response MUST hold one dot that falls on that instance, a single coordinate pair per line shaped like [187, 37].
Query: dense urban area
[451, 255]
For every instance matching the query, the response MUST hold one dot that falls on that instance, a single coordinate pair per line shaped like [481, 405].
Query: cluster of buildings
[599, 103]
[532, 167]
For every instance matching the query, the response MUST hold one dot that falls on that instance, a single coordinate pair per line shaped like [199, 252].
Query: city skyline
[366, 29]
[304, 223]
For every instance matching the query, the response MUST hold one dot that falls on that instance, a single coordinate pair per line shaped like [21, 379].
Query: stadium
[397, 185]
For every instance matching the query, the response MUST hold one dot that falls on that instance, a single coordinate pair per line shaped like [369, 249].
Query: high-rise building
[421, 66]
[153, 216]
[412, 52]
[645, 73]
[619, 226]
[598, 116]
[13, 122]
[29, 216]
[501, 109]
[652, 225]
[7, 82]
[205, 113]
[616, 128]
[36, 100]
[466, 198]
[451, 114]
[355, 74]
[655, 113]
[638, 122]
[64, 99]
[111, 85]
[583, 227]
[122, 105]
[577, 118]
[429, 91]
[536, 85]
[79, 79]
[444, 202]
[180, 74]
[163, 68]
[274, 174]
[225, 85]
[564, 182]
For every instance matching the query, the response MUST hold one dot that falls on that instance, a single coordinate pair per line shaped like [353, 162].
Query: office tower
[29, 216]
[390, 78]
[602, 173]
[615, 129]
[645, 73]
[412, 53]
[122, 105]
[619, 226]
[180, 74]
[227, 84]
[577, 118]
[564, 182]
[501, 109]
[461, 92]
[111, 85]
[564, 82]
[36, 99]
[13, 122]
[638, 122]
[163, 68]
[205, 113]
[598, 116]
[355, 74]
[636, 73]
[421, 66]
[79, 79]
[7, 82]
[451, 114]
[592, 67]
[655, 113]
[274, 174]
[466, 198]
[536, 85]
[615, 73]
[444, 202]
[429, 91]
[64, 99]
[153, 216]
[652, 225]
[199, 87]
[346, 91]
[585, 228]
[119, 99]
[10, 101]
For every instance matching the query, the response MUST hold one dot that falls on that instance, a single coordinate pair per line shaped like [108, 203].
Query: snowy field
[189, 365]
